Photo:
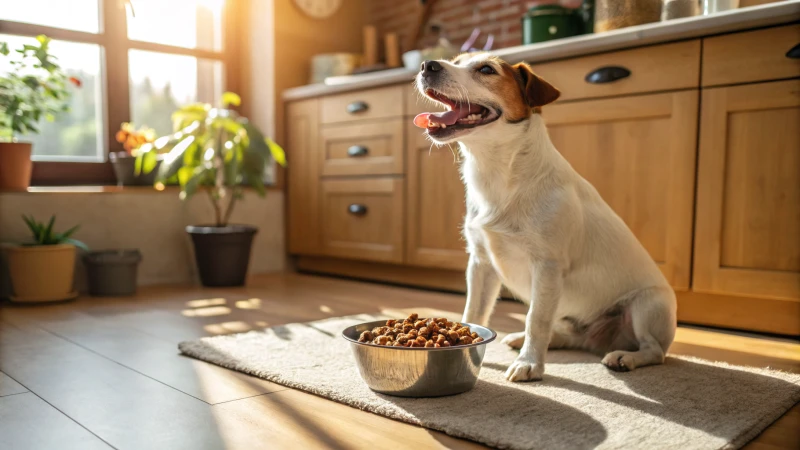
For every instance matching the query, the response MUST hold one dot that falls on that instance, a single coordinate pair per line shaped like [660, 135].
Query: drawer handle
[357, 150]
[607, 74]
[356, 209]
[357, 107]
[794, 52]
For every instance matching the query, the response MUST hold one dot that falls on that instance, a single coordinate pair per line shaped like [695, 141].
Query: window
[136, 63]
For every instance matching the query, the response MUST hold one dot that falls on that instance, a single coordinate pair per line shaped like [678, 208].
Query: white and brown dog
[538, 227]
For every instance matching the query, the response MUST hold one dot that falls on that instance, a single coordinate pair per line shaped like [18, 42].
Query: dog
[536, 226]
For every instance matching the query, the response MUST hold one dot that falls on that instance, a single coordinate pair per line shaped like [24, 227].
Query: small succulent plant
[44, 234]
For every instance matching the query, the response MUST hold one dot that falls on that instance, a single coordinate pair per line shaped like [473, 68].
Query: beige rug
[684, 404]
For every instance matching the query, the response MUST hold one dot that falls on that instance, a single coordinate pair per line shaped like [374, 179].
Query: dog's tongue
[460, 111]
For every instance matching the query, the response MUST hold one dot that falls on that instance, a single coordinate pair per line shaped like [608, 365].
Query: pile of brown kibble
[416, 332]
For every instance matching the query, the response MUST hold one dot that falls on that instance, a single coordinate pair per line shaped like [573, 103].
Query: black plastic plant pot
[124, 168]
[112, 273]
[222, 253]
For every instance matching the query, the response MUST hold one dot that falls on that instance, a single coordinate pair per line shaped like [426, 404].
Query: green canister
[547, 22]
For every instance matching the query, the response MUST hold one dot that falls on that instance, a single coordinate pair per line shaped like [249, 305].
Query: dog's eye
[487, 70]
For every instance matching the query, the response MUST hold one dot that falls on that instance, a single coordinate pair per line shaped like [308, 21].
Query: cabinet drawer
[369, 104]
[363, 219]
[370, 148]
[657, 68]
[752, 56]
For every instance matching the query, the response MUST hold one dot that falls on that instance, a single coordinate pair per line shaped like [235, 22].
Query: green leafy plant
[213, 149]
[44, 234]
[36, 87]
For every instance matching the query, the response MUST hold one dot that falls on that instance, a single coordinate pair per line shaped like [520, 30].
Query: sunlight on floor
[326, 309]
[252, 303]
[743, 344]
[201, 303]
[207, 312]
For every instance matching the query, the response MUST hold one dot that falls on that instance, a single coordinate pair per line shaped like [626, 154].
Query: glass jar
[676, 9]
[614, 14]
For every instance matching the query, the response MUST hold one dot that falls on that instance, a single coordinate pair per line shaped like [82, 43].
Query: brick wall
[457, 17]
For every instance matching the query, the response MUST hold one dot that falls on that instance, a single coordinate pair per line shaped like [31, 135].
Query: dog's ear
[535, 90]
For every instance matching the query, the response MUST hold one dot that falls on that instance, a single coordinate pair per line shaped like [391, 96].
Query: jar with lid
[614, 14]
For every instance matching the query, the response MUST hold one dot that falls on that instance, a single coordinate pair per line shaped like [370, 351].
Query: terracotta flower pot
[15, 165]
[42, 273]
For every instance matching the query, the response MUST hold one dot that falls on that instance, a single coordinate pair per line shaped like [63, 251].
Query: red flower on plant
[75, 81]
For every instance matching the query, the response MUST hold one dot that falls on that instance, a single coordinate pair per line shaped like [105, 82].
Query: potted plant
[43, 270]
[35, 88]
[216, 151]
[124, 162]
[112, 272]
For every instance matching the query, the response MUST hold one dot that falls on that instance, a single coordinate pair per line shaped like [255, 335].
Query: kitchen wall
[457, 17]
[151, 221]
[299, 37]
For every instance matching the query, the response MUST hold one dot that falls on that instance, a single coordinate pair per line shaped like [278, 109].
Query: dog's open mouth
[460, 116]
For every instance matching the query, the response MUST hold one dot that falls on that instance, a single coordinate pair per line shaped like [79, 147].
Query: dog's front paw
[619, 361]
[514, 340]
[524, 369]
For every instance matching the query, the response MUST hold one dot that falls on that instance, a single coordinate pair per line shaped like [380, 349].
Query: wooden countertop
[648, 34]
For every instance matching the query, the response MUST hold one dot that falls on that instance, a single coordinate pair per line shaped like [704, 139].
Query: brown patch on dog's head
[520, 90]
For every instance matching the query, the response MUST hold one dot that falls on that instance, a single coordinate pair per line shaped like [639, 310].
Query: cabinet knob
[357, 210]
[794, 52]
[608, 74]
[357, 107]
[357, 150]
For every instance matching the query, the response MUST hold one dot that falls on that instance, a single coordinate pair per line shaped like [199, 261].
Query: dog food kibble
[417, 332]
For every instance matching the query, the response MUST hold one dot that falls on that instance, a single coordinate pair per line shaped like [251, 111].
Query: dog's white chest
[508, 255]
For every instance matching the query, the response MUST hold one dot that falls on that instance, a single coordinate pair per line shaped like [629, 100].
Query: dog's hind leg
[483, 288]
[558, 340]
[653, 318]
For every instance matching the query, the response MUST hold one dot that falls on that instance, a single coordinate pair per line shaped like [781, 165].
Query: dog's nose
[429, 67]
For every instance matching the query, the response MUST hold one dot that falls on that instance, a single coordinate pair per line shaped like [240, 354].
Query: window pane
[76, 135]
[161, 82]
[79, 15]
[184, 23]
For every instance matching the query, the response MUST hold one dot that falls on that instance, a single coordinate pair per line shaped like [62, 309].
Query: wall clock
[318, 9]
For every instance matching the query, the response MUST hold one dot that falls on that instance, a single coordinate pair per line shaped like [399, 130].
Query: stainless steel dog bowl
[415, 371]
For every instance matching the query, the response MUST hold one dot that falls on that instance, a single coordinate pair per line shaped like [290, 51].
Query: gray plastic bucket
[112, 272]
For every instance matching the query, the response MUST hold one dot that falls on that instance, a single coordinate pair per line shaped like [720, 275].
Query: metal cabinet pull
[357, 107]
[607, 74]
[357, 150]
[794, 52]
[357, 210]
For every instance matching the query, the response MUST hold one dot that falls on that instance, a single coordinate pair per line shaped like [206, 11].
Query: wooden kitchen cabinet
[302, 144]
[639, 153]
[748, 201]
[435, 205]
[363, 218]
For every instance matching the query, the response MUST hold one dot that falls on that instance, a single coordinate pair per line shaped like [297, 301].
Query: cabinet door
[639, 153]
[363, 218]
[303, 176]
[436, 205]
[748, 196]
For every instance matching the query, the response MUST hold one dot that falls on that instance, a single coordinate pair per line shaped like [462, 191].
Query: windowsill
[105, 190]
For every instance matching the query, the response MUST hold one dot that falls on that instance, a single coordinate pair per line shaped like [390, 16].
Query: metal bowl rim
[427, 349]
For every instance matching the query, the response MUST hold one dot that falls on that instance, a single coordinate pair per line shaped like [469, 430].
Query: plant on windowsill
[219, 152]
[43, 269]
[35, 88]
[124, 162]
